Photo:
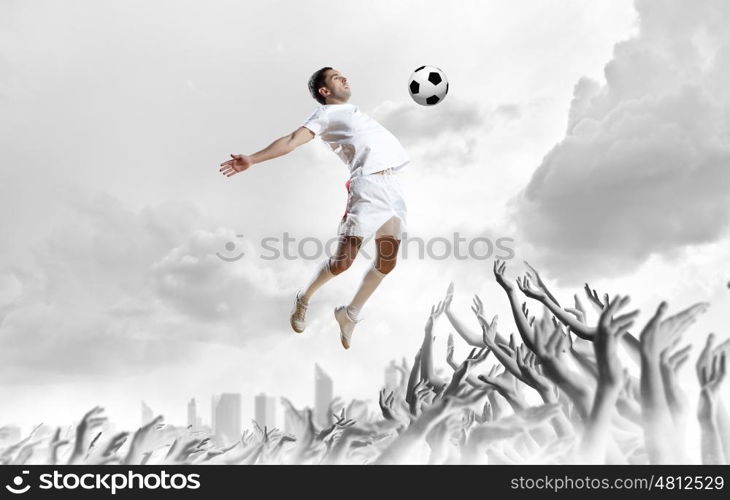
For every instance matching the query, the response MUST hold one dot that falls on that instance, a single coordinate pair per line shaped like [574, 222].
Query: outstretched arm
[658, 335]
[711, 411]
[568, 319]
[528, 336]
[611, 379]
[471, 338]
[427, 370]
[281, 146]
[711, 373]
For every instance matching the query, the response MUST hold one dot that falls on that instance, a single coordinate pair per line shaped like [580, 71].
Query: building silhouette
[193, 419]
[226, 418]
[322, 396]
[147, 414]
[265, 411]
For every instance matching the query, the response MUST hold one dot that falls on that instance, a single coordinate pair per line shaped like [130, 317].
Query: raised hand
[140, 443]
[462, 372]
[711, 376]
[471, 337]
[91, 420]
[413, 379]
[489, 328]
[335, 405]
[526, 313]
[506, 387]
[436, 311]
[593, 298]
[535, 276]
[552, 350]
[340, 423]
[610, 328]
[670, 364]
[578, 311]
[499, 268]
[107, 453]
[182, 451]
[521, 317]
[507, 355]
[53, 446]
[398, 450]
[427, 370]
[423, 395]
[660, 334]
[449, 296]
[487, 414]
[527, 363]
[706, 356]
[526, 287]
[237, 163]
[450, 352]
[611, 378]
[705, 359]
[386, 405]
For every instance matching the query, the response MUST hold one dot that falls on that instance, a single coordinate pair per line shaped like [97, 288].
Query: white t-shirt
[362, 143]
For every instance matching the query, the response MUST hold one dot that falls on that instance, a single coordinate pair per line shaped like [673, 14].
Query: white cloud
[447, 134]
[643, 168]
[115, 289]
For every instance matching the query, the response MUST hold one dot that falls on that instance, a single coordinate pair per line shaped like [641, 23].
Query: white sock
[322, 276]
[369, 283]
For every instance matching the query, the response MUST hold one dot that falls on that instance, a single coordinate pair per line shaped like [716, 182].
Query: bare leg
[347, 250]
[387, 253]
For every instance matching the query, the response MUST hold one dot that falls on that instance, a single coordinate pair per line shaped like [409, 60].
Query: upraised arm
[541, 295]
[711, 375]
[526, 332]
[711, 371]
[611, 379]
[471, 337]
[658, 335]
[413, 378]
[427, 371]
[281, 146]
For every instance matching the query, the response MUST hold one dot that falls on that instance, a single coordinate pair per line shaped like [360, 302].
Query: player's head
[329, 86]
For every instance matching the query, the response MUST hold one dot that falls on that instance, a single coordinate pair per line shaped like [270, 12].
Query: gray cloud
[198, 284]
[118, 289]
[643, 168]
[446, 134]
[414, 124]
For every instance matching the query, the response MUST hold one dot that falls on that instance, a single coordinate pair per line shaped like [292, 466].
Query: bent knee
[386, 266]
[339, 266]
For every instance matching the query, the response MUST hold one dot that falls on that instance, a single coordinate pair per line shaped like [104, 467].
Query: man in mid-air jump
[375, 203]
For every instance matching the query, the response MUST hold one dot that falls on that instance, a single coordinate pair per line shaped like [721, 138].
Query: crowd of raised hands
[562, 389]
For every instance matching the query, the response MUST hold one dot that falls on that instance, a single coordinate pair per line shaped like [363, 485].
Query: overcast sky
[595, 134]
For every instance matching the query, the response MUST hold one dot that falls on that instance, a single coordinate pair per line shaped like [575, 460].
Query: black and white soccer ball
[428, 85]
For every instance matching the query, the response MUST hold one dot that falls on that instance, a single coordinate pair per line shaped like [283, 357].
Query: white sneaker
[347, 325]
[298, 315]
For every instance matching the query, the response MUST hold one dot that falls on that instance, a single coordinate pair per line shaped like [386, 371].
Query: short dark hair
[316, 82]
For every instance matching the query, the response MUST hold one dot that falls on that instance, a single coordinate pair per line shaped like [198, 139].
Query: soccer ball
[428, 85]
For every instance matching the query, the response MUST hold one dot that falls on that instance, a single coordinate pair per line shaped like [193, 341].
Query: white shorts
[375, 205]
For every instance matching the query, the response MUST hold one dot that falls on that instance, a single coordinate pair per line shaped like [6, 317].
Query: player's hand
[238, 163]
